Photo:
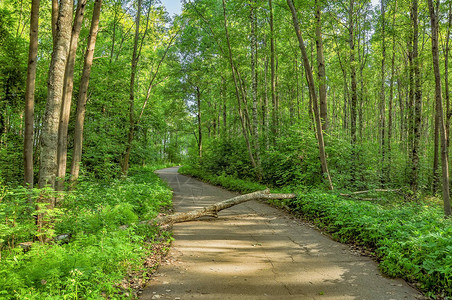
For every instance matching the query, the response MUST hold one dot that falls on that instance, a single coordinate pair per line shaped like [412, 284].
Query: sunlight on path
[253, 251]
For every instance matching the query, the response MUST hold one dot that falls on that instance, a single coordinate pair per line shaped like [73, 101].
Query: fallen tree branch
[213, 209]
[369, 191]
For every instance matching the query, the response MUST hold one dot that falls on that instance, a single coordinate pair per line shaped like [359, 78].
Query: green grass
[410, 240]
[99, 255]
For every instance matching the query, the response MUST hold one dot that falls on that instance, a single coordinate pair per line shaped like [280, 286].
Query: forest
[345, 103]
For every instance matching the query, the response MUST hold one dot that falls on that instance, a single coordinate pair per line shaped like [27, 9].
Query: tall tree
[49, 134]
[391, 92]
[321, 68]
[253, 44]
[238, 91]
[30, 94]
[273, 73]
[83, 92]
[354, 95]
[126, 157]
[417, 94]
[382, 93]
[434, 12]
[446, 71]
[67, 95]
[313, 95]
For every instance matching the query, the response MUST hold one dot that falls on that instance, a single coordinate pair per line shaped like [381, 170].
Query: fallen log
[212, 210]
[369, 191]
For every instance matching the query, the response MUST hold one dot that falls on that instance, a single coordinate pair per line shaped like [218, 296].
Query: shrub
[99, 254]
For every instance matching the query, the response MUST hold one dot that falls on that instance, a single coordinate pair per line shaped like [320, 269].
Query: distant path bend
[254, 251]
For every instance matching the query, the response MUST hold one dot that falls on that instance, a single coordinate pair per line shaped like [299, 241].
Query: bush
[229, 182]
[99, 254]
[293, 160]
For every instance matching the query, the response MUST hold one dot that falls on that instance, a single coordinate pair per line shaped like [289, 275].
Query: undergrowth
[227, 181]
[412, 241]
[99, 255]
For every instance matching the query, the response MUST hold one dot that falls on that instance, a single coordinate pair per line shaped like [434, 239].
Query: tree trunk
[49, 136]
[321, 69]
[83, 93]
[417, 100]
[198, 102]
[273, 75]
[30, 94]
[435, 177]
[391, 96]
[213, 209]
[353, 104]
[113, 38]
[265, 128]
[446, 73]
[126, 156]
[382, 96]
[313, 95]
[67, 96]
[439, 106]
[54, 20]
[254, 126]
[237, 91]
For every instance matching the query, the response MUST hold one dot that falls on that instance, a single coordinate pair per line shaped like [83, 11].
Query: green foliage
[293, 160]
[411, 241]
[229, 182]
[226, 156]
[99, 254]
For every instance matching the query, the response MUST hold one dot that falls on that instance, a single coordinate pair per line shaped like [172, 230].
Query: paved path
[254, 251]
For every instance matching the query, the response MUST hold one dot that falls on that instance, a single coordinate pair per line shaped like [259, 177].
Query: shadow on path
[254, 251]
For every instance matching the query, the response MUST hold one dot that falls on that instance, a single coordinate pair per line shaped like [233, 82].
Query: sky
[172, 6]
[374, 2]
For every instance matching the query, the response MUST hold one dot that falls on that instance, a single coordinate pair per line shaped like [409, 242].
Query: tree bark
[417, 100]
[273, 75]
[83, 93]
[198, 102]
[353, 104]
[54, 20]
[311, 85]
[49, 136]
[439, 106]
[213, 209]
[382, 96]
[30, 94]
[67, 96]
[435, 177]
[391, 96]
[446, 73]
[254, 126]
[321, 69]
[265, 129]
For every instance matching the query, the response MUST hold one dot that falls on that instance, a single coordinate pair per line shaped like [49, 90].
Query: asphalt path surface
[255, 251]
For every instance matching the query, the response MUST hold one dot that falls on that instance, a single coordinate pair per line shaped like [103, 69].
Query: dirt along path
[254, 251]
